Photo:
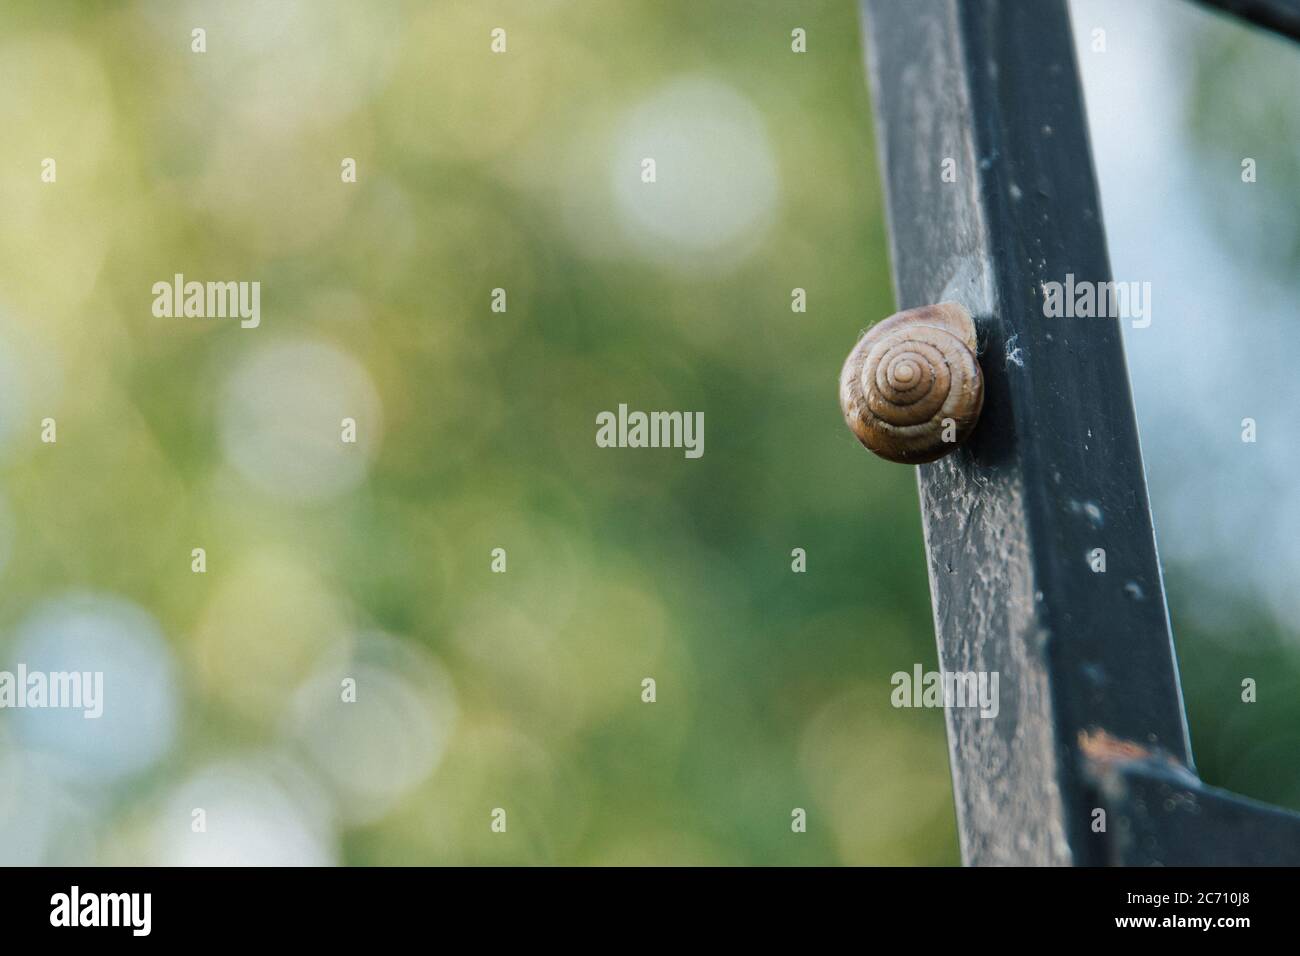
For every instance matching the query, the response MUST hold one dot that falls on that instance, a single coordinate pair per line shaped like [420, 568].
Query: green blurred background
[475, 690]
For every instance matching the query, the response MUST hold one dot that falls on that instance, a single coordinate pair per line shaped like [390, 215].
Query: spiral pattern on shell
[912, 389]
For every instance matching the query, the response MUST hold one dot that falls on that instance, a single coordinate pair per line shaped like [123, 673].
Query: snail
[912, 389]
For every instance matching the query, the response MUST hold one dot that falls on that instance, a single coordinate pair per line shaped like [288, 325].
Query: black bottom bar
[336, 907]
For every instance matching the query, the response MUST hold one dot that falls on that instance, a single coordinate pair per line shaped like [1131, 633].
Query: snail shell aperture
[912, 389]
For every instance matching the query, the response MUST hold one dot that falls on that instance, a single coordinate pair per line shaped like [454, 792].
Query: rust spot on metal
[1103, 748]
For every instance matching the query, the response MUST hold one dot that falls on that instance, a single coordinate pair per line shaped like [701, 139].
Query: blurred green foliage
[772, 686]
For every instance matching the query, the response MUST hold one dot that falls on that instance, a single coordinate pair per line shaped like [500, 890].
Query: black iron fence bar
[1161, 815]
[988, 91]
[991, 196]
[1280, 16]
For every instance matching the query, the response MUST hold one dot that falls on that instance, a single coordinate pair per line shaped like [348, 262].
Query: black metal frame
[1091, 709]
[1280, 16]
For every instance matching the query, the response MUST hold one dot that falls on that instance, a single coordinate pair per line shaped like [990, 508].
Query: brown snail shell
[912, 389]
